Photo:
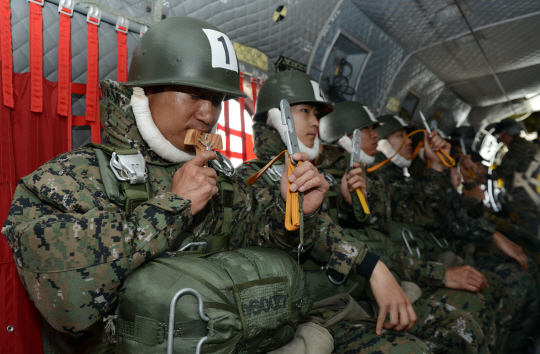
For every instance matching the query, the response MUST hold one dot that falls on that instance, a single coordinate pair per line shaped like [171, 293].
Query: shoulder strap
[122, 193]
[220, 240]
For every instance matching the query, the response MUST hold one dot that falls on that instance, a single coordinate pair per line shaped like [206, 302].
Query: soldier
[307, 108]
[455, 224]
[519, 169]
[77, 232]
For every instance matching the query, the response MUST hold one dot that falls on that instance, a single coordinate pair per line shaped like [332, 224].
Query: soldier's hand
[307, 179]
[465, 278]
[353, 180]
[392, 300]
[510, 249]
[195, 182]
[464, 167]
[432, 146]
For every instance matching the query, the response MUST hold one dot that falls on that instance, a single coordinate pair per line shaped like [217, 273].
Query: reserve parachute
[252, 298]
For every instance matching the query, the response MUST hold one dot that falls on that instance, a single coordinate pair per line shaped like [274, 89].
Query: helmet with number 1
[344, 120]
[389, 124]
[294, 86]
[186, 51]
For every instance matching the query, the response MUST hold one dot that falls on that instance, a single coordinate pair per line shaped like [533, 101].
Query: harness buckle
[94, 15]
[130, 168]
[275, 172]
[122, 24]
[38, 2]
[334, 281]
[66, 7]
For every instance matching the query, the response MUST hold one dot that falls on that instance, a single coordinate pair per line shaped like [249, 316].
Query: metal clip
[66, 7]
[40, 3]
[170, 337]
[332, 280]
[223, 164]
[122, 24]
[144, 28]
[130, 168]
[437, 241]
[275, 172]
[407, 231]
[94, 15]
[193, 246]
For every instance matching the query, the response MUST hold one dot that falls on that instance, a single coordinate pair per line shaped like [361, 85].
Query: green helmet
[508, 126]
[186, 51]
[344, 119]
[389, 124]
[294, 86]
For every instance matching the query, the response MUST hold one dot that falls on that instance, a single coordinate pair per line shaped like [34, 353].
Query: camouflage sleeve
[378, 199]
[421, 272]
[73, 247]
[421, 203]
[337, 249]
[460, 225]
[475, 209]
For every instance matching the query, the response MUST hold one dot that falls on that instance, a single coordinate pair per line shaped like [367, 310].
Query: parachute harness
[446, 159]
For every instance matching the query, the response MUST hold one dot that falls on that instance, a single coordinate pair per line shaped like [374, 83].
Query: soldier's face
[396, 138]
[306, 123]
[369, 140]
[175, 109]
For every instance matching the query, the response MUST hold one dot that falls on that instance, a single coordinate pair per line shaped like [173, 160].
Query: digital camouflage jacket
[520, 154]
[332, 246]
[407, 266]
[74, 247]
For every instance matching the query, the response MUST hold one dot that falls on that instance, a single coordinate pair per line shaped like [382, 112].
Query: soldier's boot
[474, 304]
[446, 329]
[523, 289]
[351, 337]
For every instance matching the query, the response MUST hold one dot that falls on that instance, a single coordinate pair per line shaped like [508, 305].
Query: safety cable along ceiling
[475, 36]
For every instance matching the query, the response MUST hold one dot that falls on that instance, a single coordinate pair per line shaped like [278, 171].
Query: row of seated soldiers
[434, 239]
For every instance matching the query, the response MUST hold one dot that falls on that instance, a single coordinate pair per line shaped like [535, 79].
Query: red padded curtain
[27, 140]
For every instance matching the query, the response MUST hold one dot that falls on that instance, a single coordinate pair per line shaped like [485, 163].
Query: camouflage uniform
[443, 327]
[74, 247]
[460, 229]
[523, 285]
[520, 154]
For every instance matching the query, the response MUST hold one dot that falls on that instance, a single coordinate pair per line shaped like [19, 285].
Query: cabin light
[534, 102]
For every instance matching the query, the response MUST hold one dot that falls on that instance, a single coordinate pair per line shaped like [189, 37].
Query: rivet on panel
[10, 328]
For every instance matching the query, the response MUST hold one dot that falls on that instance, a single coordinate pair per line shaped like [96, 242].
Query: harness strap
[220, 241]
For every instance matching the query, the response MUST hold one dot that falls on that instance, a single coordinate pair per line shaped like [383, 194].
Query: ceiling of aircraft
[420, 47]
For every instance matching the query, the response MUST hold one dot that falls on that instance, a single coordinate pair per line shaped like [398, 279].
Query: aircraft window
[343, 65]
[235, 125]
[408, 108]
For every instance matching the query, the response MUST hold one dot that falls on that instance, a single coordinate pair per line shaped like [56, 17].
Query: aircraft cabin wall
[398, 64]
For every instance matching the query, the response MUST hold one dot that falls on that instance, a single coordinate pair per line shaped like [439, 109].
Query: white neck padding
[346, 143]
[150, 132]
[274, 120]
[384, 146]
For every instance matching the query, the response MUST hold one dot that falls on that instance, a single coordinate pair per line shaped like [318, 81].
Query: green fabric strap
[333, 205]
[120, 192]
[220, 242]
[152, 332]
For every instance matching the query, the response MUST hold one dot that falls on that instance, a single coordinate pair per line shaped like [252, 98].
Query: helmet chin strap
[150, 132]
[384, 146]
[346, 143]
[274, 120]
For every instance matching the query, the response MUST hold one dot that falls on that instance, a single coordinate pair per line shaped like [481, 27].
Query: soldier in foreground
[76, 236]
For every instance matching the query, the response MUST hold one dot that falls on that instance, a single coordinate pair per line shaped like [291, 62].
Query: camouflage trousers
[447, 329]
[492, 310]
[527, 212]
[353, 337]
[525, 290]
